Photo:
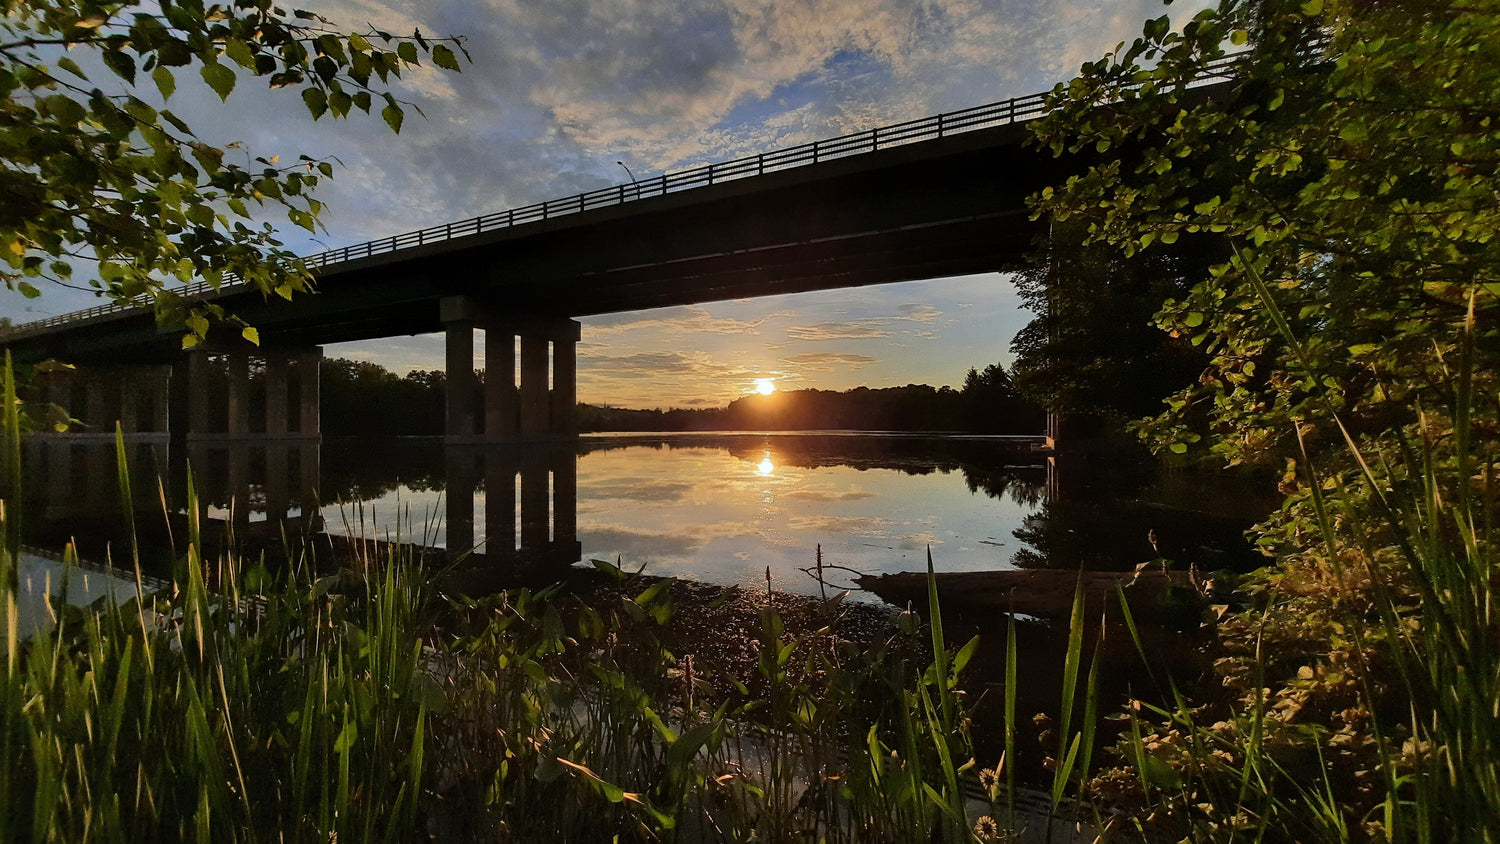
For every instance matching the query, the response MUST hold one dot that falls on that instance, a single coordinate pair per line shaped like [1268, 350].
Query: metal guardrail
[1014, 110]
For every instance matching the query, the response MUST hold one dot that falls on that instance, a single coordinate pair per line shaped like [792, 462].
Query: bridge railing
[1014, 110]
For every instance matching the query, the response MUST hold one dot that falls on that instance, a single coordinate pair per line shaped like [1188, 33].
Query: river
[723, 508]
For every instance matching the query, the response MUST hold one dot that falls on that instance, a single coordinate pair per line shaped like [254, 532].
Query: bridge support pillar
[535, 418]
[135, 397]
[309, 362]
[220, 386]
[238, 398]
[565, 384]
[501, 410]
[277, 367]
[463, 481]
[540, 407]
[130, 403]
[199, 390]
[461, 382]
[500, 468]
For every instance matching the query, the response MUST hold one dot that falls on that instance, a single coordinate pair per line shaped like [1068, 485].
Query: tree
[1093, 349]
[1350, 165]
[1350, 162]
[93, 173]
[994, 405]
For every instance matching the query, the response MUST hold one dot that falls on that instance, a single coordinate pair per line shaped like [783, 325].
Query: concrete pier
[222, 387]
[541, 407]
[136, 398]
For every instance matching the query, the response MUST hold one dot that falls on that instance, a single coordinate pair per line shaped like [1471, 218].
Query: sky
[559, 91]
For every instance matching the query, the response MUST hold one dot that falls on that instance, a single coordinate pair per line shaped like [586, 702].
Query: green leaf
[1312, 7]
[1238, 37]
[407, 51]
[200, 215]
[393, 117]
[347, 736]
[220, 78]
[1193, 319]
[122, 65]
[64, 109]
[1179, 448]
[71, 66]
[28, 289]
[964, 654]
[444, 58]
[164, 81]
[316, 100]
[240, 51]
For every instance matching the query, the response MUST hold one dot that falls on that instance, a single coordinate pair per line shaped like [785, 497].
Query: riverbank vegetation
[1351, 341]
[359, 701]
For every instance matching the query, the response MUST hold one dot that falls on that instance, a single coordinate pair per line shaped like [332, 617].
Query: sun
[765, 386]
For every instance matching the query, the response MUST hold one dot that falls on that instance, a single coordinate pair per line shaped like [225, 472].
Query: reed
[1368, 674]
[359, 702]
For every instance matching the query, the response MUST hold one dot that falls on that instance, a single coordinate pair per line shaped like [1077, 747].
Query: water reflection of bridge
[262, 493]
[258, 490]
[529, 517]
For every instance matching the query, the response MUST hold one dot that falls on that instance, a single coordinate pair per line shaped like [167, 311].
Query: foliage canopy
[1351, 164]
[92, 172]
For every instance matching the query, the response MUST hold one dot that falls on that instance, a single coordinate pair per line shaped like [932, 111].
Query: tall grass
[357, 702]
[353, 700]
[1370, 675]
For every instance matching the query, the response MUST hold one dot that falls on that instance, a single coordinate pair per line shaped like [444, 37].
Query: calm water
[721, 508]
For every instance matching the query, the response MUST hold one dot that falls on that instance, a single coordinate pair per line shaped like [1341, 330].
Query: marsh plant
[358, 701]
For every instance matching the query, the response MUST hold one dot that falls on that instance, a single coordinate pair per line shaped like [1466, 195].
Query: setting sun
[765, 386]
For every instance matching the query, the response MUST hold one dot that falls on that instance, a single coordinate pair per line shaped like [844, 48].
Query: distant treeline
[364, 398]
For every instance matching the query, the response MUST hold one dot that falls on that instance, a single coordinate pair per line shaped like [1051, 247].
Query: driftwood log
[1154, 596]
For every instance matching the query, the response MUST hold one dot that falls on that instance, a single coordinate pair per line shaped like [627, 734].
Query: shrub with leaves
[1350, 161]
[93, 173]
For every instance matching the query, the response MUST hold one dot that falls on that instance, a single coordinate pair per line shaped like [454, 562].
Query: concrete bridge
[936, 197]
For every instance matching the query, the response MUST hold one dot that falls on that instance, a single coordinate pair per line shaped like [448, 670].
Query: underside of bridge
[944, 207]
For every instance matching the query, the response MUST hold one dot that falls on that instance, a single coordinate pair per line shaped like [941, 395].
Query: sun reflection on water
[766, 467]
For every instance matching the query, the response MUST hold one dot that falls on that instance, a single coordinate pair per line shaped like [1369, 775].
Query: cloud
[864, 329]
[863, 525]
[637, 489]
[651, 364]
[637, 544]
[823, 497]
[827, 361]
[859, 330]
[688, 319]
[918, 313]
[642, 365]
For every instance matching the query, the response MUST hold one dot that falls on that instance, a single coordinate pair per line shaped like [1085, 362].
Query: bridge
[940, 196]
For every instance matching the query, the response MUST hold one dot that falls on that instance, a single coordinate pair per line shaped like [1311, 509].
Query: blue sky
[561, 90]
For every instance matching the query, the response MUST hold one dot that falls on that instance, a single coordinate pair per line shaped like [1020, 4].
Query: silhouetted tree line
[1094, 349]
[988, 403]
[367, 399]
[362, 398]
